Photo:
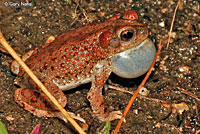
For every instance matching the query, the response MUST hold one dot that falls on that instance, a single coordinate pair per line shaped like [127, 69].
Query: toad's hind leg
[36, 102]
[29, 100]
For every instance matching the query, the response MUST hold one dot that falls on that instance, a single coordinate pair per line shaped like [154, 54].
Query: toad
[89, 53]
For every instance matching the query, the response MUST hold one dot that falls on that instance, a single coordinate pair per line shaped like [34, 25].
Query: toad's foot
[111, 116]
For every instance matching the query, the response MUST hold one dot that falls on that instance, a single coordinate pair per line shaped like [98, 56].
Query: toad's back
[69, 60]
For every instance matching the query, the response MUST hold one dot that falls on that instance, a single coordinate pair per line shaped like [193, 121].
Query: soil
[28, 25]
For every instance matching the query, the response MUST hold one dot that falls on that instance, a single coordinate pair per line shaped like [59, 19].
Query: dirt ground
[178, 67]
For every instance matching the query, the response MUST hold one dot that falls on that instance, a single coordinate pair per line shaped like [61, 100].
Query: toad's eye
[126, 35]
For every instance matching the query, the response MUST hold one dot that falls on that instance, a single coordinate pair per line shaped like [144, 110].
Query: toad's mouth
[134, 62]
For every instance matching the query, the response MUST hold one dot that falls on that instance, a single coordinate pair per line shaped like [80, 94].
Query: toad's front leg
[101, 73]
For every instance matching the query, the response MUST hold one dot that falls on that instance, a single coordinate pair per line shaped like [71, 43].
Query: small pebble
[144, 91]
[162, 24]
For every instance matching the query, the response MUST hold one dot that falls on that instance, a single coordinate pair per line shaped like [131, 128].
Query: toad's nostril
[142, 31]
[114, 43]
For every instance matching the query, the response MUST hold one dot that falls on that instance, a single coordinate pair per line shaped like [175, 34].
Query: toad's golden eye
[126, 35]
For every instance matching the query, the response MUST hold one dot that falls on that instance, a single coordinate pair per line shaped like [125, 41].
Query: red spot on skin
[35, 50]
[31, 83]
[71, 72]
[82, 55]
[93, 48]
[80, 64]
[54, 67]
[34, 99]
[62, 65]
[85, 47]
[63, 57]
[20, 74]
[37, 87]
[79, 71]
[76, 53]
[74, 62]
[74, 48]
[86, 59]
[34, 104]
[77, 59]
[45, 64]
[24, 91]
[57, 74]
[98, 86]
[66, 49]
[22, 99]
[94, 40]
[98, 76]
[71, 53]
[55, 60]
[41, 68]
[101, 52]
[43, 106]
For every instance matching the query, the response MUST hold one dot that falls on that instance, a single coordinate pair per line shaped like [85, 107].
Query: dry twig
[172, 24]
[141, 96]
[188, 93]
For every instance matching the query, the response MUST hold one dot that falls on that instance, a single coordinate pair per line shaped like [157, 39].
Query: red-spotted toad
[86, 54]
